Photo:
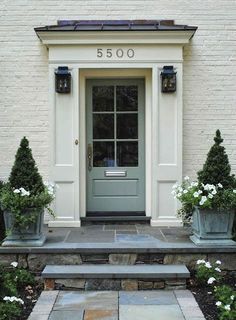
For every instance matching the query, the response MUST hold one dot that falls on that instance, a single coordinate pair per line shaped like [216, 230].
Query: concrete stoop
[115, 277]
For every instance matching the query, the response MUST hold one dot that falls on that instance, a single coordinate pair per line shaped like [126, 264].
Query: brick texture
[209, 71]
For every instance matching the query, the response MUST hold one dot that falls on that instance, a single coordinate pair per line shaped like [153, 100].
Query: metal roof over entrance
[115, 25]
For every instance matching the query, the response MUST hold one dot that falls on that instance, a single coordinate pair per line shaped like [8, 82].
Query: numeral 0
[118, 53]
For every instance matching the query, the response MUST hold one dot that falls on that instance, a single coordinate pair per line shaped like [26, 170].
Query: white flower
[16, 191]
[194, 184]
[220, 185]
[206, 187]
[185, 191]
[217, 269]
[186, 178]
[180, 189]
[13, 299]
[179, 194]
[175, 186]
[210, 196]
[227, 307]
[232, 297]
[201, 261]
[234, 191]
[211, 280]
[214, 192]
[23, 192]
[195, 194]
[208, 265]
[218, 262]
[218, 303]
[14, 264]
[173, 192]
[203, 200]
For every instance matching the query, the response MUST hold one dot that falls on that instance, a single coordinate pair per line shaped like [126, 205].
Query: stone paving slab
[110, 305]
[150, 312]
[147, 298]
[93, 300]
[101, 315]
[67, 315]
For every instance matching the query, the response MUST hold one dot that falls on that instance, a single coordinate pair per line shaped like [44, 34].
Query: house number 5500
[118, 53]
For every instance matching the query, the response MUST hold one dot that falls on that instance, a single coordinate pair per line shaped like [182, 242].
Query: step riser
[114, 284]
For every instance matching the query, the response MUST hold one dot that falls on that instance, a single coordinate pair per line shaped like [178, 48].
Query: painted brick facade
[209, 70]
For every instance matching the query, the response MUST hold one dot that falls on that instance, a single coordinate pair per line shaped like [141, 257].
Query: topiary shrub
[24, 173]
[217, 168]
[2, 225]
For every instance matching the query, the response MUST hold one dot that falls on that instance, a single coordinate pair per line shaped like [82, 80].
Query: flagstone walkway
[117, 305]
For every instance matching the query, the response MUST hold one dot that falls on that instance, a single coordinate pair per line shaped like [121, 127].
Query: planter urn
[212, 227]
[31, 236]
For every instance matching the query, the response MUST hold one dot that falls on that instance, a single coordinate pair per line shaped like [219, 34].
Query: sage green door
[115, 145]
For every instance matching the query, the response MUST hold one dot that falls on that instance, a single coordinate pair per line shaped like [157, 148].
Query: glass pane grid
[115, 138]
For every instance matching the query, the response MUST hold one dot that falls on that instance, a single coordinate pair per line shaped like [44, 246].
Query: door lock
[76, 142]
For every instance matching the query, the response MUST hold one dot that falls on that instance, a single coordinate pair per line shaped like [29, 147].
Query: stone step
[114, 276]
[115, 219]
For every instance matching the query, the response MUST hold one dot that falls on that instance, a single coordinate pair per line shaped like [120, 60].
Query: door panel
[115, 140]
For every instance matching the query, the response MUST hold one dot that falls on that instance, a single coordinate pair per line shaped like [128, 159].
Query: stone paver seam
[163, 235]
[186, 317]
[118, 311]
[53, 304]
[67, 235]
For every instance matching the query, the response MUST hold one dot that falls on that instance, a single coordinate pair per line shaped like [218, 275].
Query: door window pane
[127, 98]
[103, 98]
[127, 126]
[103, 154]
[103, 126]
[127, 154]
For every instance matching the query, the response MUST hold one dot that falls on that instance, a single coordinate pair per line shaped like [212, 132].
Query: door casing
[106, 74]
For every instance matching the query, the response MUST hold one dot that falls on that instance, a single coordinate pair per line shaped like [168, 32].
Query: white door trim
[115, 73]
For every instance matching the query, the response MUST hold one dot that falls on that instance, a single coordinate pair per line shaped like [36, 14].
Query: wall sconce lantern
[63, 80]
[168, 79]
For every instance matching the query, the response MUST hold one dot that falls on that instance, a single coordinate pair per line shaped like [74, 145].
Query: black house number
[117, 53]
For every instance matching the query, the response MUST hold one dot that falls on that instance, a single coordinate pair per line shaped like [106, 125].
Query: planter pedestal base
[213, 242]
[24, 243]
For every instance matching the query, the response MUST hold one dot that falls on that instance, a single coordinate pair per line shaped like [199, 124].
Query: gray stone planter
[31, 236]
[212, 227]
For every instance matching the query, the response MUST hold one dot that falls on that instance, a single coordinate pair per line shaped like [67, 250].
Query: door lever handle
[90, 155]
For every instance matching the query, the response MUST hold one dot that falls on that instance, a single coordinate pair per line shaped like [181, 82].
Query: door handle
[90, 155]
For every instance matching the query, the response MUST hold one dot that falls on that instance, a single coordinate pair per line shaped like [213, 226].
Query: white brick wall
[209, 70]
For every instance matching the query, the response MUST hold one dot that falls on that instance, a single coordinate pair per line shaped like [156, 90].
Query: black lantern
[62, 80]
[168, 79]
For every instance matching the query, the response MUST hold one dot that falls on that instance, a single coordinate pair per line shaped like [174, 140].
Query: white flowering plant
[225, 302]
[206, 196]
[13, 279]
[208, 273]
[18, 200]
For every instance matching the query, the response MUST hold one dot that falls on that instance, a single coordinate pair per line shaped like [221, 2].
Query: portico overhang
[115, 31]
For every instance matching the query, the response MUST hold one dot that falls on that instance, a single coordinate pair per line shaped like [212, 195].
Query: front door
[115, 145]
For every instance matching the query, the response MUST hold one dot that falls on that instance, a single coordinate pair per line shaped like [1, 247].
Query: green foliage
[25, 208]
[24, 172]
[204, 196]
[206, 271]
[217, 168]
[25, 195]
[11, 280]
[10, 310]
[226, 302]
